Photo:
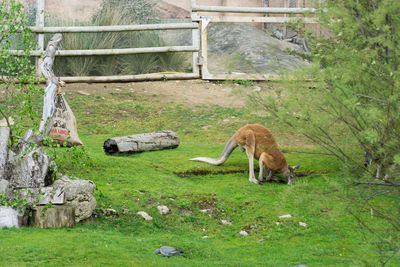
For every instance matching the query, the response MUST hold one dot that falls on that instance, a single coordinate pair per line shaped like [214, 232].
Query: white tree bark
[52, 83]
[4, 136]
[142, 142]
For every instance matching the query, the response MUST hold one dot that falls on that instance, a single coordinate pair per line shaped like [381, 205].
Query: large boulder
[30, 171]
[240, 47]
[10, 217]
[78, 193]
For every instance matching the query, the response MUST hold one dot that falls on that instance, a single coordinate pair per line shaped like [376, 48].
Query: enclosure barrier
[198, 26]
[205, 20]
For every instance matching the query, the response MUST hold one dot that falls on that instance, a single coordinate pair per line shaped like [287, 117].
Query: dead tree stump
[142, 142]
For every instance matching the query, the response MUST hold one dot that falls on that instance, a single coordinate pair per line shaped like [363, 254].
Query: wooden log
[142, 142]
[4, 136]
[52, 83]
[53, 217]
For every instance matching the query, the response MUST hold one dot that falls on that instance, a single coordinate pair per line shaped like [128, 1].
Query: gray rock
[167, 251]
[42, 196]
[163, 209]
[30, 171]
[239, 47]
[78, 193]
[4, 187]
[10, 217]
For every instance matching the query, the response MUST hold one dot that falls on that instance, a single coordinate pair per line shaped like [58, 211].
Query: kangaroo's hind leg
[250, 150]
[265, 172]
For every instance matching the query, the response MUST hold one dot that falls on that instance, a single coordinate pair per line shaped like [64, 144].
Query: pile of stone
[29, 174]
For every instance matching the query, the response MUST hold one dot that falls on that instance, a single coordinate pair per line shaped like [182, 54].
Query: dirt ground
[189, 92]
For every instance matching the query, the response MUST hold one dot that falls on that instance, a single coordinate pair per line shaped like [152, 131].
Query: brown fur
[259, 143]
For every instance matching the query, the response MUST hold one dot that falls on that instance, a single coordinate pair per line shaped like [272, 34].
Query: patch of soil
[188, 92]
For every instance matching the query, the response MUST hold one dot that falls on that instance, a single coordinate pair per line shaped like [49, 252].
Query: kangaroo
[258, 142]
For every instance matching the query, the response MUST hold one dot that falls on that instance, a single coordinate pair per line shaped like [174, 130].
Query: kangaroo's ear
[296, 167]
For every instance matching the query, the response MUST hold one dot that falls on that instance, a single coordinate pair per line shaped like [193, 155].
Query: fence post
[40, 23]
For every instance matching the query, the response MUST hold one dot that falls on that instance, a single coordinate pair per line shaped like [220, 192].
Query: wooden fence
[198, 26]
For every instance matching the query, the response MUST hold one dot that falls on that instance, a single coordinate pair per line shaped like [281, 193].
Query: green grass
[142, 181]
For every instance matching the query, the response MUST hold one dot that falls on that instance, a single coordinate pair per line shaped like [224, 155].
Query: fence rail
[256, 10]
[198, 26]
[116, 28]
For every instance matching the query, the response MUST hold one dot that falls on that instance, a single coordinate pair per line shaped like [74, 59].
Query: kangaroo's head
[289, 173]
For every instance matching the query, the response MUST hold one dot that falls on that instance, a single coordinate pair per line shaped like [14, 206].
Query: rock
[83, 93]
[226, 222]
[204, 236]
[3, 122]
[42, 196]
[5, 187]
[168, 251]
[31, 171]
[285, 216]
[243, 233]
[145, 216]
[303, 224]
[231, 51]
[163, 209]
[110, 212]
[10, 217]
[53, 217]
[79, 194]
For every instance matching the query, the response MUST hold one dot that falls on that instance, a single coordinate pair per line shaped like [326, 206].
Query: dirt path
[189, 92]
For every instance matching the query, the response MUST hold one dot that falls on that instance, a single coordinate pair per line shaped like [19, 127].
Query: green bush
[16, 99]
[352, 107]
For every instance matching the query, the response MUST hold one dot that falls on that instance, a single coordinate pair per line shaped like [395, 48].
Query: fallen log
[142, 142]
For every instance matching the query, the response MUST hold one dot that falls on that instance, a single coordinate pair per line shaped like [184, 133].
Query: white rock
[83, 93]
[278, 223]
[3, 122]
[145, 216]
[285, 216]
[163, 209]
[204, 211]
[206, 236]
[226, 222]
[257, 89]
[10, 217]
[244, 233]
[303, 224]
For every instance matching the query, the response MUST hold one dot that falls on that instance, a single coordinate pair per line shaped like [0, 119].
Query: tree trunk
[4, 136]
[142, 142]
[52, 83]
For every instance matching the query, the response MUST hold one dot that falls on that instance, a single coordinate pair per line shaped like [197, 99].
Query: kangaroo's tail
[229, 147]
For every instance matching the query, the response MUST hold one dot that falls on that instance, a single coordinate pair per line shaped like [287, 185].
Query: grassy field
[140, 182]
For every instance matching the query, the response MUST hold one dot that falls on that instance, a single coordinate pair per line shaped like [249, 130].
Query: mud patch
[203, 172]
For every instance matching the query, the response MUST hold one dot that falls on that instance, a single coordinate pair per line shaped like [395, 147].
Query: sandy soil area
[190, 92]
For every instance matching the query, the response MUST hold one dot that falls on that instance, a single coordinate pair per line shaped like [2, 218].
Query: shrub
[16, 98]
[352, 107]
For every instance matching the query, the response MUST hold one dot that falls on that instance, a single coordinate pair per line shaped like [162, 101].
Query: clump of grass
[116, 13]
